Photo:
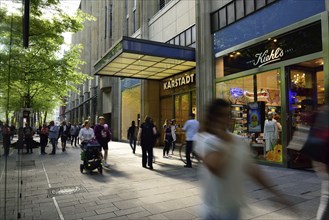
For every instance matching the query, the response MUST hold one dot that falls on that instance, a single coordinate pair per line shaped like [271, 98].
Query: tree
[40, 76]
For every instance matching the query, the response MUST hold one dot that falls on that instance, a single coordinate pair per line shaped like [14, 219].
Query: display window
[130, 109]
[306, 94]
[256, 111]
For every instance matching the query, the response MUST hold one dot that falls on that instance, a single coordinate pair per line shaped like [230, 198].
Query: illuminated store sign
[180, 81]
[267, 57]
[301, 42]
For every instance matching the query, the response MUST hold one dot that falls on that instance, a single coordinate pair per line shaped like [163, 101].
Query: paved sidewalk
[128, 191]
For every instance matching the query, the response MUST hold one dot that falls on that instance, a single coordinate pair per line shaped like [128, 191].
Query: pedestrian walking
[69, 125]
[12, 131]
[132, 136]
[103, 136]
[44, 133]
[317, 148]
[173, 134]
[28, 137]
[168, 139]
[146, 138]
[6, 139]
[74, 131]
[86, 133]
[225, 161]
[190, 127]
[63, 134]
[53, 136]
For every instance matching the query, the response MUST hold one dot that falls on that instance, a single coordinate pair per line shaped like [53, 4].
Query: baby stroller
[91, 156]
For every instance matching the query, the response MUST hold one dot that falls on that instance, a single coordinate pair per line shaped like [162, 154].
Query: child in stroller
[91, 156]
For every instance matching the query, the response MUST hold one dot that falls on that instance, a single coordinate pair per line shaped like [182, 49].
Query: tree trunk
[45, 118]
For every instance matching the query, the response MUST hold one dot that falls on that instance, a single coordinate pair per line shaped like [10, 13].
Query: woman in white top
[86, 133]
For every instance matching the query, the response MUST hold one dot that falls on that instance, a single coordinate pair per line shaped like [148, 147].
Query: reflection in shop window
[240, 93]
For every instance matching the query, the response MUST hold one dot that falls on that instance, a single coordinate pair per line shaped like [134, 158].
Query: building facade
[167, 59]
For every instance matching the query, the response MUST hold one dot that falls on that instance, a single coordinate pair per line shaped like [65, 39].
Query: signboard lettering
[265, 57]
[184, 80]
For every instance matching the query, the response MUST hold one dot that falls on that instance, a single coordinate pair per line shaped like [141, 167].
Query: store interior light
[275, 40]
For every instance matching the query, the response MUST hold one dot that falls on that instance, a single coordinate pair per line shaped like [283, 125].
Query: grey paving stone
[127, 190]
[129, 211]
[139, 215]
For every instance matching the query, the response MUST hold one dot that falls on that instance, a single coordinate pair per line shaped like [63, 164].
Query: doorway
[305, 87]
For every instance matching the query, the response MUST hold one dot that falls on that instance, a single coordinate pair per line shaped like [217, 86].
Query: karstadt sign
[180, 81]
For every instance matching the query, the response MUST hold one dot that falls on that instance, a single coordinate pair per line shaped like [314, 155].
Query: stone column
[205, 68]
[116, 108]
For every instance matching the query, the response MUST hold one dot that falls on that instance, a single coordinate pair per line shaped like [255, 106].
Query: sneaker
[151, 168]
[106, 164]
[187, 166]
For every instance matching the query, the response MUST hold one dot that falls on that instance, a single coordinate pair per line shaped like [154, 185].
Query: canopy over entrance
[144, 59]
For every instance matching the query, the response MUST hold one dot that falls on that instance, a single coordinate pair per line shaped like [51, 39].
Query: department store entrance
[305, 94]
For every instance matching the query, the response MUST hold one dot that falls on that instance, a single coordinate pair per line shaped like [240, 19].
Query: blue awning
[144, 59]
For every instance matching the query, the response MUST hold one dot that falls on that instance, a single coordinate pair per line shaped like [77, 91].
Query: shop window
[268, 87]
[235, 90]
[242, 93]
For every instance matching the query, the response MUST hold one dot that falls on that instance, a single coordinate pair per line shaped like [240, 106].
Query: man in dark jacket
[64, 132]
[146, 136]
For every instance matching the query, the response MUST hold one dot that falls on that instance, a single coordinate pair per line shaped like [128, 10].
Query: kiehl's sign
[179, 81]
[303, 41]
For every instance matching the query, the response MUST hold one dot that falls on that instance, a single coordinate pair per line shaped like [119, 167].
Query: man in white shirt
[191, 127]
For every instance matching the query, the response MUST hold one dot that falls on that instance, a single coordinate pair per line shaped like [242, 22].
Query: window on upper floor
[185, 38]
[111, 22]
[134, 15]
[162, 3]
[234, 11]
[127, 17]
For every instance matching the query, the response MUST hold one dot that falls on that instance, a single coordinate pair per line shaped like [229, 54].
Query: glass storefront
[130, 108]
[242, 92]
[305, 94]
[278, 79]
[178, 100]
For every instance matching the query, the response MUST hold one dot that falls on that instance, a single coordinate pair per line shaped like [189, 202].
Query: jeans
[147, 156]
[132, 142]
[53, 143]
[188, 152]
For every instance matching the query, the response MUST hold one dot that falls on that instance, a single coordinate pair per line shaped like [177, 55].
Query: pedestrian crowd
[225, 156]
